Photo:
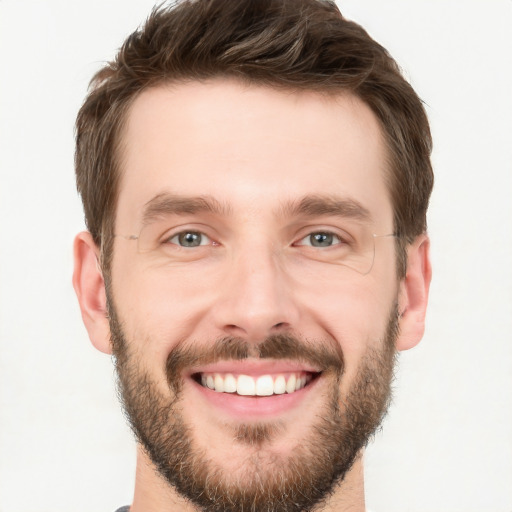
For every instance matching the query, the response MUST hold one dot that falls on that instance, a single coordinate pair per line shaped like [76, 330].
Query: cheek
[356, 315]
[159, 307]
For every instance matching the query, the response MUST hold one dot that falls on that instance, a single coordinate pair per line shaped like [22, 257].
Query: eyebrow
[308, 206]
[172, 204]
[320, 205]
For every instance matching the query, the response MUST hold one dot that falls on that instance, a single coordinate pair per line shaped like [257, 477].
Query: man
[255, 177]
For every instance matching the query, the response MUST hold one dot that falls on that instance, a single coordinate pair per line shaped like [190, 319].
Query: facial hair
[300, 481]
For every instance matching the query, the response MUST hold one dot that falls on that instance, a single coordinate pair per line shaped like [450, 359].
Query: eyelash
[300, 243]
[189, 232]
[325, 233]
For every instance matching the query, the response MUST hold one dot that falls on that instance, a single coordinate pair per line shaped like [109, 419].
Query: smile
[263, 385]
[253, 389]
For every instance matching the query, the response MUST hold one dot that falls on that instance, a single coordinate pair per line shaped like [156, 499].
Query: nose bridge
[256, 299]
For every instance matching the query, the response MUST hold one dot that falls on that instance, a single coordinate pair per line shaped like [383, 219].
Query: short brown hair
[292, 44]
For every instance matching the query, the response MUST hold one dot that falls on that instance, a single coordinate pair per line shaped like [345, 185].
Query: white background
[446, 445]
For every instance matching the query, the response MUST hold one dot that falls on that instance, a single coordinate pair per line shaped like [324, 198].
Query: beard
[300, 480]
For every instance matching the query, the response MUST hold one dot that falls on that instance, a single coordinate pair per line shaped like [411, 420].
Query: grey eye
[190, 239]
[321, 239]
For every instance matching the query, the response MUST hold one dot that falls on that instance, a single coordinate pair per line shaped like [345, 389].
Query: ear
[90, 289]
[413, 296]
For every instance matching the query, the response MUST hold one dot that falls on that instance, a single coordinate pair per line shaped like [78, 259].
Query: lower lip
[254, 407]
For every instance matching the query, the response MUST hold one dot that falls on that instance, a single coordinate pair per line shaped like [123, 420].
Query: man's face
[253, 312]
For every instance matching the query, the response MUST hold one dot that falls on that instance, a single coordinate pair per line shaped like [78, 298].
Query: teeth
[245, 385]
[279, 385]
[290, 385]
[219, 383]
[229, 384]
[265, 385]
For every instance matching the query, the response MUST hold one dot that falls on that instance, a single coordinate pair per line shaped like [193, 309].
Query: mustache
[324, 355]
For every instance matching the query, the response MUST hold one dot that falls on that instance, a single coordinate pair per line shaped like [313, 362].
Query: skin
[253, 149]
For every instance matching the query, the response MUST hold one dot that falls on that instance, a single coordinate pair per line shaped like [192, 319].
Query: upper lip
[255, 367]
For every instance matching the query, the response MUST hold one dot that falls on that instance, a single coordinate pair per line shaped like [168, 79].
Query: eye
[320, 239]
[190, 239]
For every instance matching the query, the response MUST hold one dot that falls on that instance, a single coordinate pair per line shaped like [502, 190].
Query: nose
[256, 298]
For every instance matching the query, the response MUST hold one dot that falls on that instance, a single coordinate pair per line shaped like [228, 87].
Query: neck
[154, 494]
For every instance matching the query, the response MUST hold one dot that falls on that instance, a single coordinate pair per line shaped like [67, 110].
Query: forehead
[251, 148]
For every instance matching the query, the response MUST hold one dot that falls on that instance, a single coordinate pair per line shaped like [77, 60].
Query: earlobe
[413, 297]
[90, 289]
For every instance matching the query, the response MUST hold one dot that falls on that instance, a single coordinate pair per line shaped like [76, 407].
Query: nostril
[255, 332]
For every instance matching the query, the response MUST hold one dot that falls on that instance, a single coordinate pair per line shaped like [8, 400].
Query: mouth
[252, 390]
[258, 386]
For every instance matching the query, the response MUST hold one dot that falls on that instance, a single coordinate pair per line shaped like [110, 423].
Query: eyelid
[175, 231]
[208, 240]
[335, 242]
[342, 236]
